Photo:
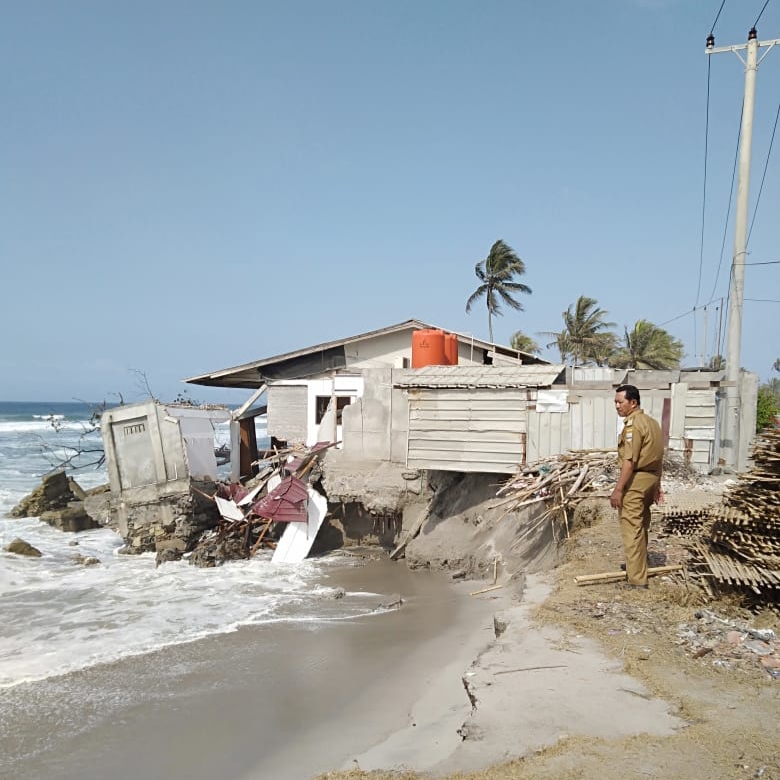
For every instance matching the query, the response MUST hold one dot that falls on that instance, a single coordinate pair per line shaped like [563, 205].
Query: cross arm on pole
[739, 47]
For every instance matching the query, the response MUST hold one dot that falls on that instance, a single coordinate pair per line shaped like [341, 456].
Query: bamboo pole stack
[561, 482]
[743, 546]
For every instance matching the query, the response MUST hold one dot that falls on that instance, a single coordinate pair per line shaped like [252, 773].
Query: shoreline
[283, 700]
[415, 689]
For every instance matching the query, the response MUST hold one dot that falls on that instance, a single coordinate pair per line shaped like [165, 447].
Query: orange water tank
[451, 349]
[428, 348]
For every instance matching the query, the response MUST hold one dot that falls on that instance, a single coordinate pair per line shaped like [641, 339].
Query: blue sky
[188, 186]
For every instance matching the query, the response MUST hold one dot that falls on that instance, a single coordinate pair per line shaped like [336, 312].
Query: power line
[763, 300]
[728, 210]
[704, 186]
[760, 14]
[678, 317]
[763, 262]
[718, 16]
[766, 165]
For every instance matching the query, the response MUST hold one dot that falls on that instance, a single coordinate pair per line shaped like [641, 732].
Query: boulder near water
[58, 502]
[20, 547]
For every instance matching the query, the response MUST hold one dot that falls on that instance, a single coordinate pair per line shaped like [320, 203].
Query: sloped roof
[250, 374]
[478, 376]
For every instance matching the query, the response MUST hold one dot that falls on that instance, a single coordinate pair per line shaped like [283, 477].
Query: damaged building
[402, 412]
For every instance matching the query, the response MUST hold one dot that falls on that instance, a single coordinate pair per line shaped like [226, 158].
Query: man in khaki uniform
[640, 457]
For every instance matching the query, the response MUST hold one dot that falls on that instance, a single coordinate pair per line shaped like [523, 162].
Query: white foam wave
[42, 425]
[60, 616]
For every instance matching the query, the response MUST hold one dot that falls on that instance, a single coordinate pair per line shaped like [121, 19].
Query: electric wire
[761, 13]
[704, 185]
[762, 262]
[718, 17]
[763, 300]
[763, 177]
[728, 210]
[678, 317]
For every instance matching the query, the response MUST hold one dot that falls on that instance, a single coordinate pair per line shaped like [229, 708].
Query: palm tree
[648, 346]
[604, 348]
[523, 343]
[585, 336]
[496, 274]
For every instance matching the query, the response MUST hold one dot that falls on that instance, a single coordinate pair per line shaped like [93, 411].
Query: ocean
[249, 671]
[60, 617]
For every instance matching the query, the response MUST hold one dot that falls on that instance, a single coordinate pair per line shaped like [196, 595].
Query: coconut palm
[523, 343]
[496, 274]
[604, 348]
[648, 346]
[585, 336]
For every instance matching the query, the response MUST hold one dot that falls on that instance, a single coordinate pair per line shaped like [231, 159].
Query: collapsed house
[398, 407]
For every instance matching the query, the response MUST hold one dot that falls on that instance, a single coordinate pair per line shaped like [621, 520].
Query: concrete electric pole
[729, 426]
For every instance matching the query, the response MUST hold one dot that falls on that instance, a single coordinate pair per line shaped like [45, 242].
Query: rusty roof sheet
[286, 503]
[478, 376]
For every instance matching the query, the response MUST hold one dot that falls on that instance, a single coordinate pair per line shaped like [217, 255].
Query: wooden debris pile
[252, 516]
[682, 521]
[740, 541]
[561, 481]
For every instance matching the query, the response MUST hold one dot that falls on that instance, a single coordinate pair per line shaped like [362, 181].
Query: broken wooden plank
[609, 576]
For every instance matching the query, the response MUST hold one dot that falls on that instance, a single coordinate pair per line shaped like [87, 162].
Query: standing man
[640, 457]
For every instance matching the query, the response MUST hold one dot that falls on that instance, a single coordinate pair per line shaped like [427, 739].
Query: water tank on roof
[428, 348]
[451, 349]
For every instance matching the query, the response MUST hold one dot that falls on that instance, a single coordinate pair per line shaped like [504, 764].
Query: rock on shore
[62, 503]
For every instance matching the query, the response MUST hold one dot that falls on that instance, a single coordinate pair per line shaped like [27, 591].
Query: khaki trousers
[635, 524]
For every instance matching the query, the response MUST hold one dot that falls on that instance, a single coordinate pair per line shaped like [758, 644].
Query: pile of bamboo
[680, 521]
[757, 493]
[743, 545]
[561, 481]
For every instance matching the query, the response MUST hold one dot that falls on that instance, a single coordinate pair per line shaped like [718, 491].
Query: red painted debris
[286, 503]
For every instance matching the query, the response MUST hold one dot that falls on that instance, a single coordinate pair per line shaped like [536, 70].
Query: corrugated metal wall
[694, 425]
[467, 430]
[494, 430]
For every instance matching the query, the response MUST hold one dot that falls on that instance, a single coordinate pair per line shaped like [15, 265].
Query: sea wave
[60, 616]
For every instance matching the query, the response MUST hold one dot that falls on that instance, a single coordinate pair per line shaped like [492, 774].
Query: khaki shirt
[642, 442]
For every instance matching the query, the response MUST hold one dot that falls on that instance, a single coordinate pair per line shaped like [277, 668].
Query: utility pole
[730, 433]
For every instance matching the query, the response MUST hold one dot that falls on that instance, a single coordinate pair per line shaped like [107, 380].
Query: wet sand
[283, 701]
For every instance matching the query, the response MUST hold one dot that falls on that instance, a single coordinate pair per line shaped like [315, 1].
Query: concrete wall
[287, 411]
[292, 407]
[149, 448]
[374, 426]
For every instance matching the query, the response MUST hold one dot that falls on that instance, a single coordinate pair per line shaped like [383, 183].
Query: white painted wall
[342, 385]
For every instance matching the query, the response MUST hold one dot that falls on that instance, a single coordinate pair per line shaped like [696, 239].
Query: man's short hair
[632, 393]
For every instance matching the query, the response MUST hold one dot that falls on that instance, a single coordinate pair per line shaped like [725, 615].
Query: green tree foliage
[648, 346]
[767, 407]
[497, 274]
[523, 343]
[717, 363]
[585, 337]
